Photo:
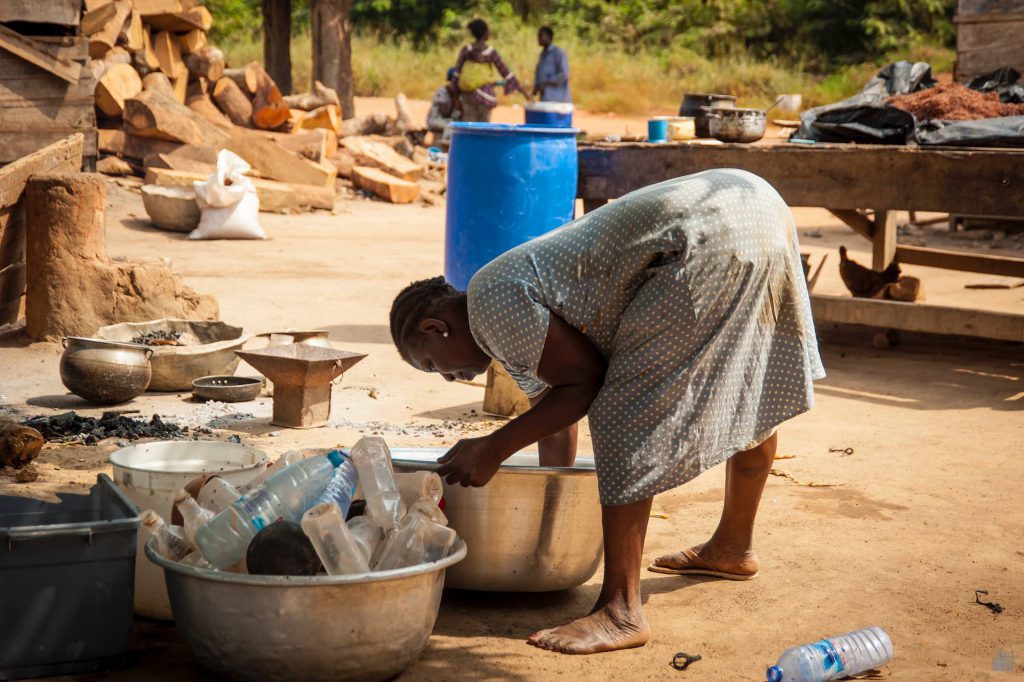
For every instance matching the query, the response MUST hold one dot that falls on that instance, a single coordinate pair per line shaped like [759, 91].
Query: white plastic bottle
[286, 495]
[217, 494]
[170, 541]
[193, 516]
[343, 484]
[275, 467]
[334, 543]
[834, 658]
[415, 485]
[421, 537]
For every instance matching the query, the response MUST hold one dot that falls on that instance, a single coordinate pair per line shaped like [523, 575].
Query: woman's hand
[472, 462]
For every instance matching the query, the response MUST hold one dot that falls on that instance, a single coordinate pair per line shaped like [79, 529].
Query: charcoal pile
[71, 427]
[159, 338]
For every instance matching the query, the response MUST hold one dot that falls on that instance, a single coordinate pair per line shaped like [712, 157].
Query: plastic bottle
[217, 494]
[384, 503]
[193, 516]
[334, 543]
[343, 484]
[833, 658]
[419, 484]
[286, 495]
[367, 534]
[285, 460]
[419, 539]
[196, 559]
[170, 542]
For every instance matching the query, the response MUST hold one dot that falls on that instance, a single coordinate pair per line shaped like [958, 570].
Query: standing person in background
[475, 75]
[445, 107]
[551, 78]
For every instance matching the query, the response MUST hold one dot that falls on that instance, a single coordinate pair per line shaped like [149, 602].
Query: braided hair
[416, 301]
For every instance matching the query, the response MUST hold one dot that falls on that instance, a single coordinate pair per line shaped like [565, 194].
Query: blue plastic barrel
[549, 114]
[507, 184]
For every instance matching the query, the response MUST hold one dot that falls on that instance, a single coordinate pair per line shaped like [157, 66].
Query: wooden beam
[63, 12]
[883, 239]
[277, 163]
[957, 260]
[275, 197]
[63, 156]
[918, 317]
[856, 221]
[35, 53]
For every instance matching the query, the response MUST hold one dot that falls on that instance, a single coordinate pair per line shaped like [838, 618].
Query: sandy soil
[900, 533]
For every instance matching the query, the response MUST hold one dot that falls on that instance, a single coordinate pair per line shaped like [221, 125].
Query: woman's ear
[430, 325]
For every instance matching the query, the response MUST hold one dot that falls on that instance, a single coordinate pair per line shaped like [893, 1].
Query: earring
[444, 334]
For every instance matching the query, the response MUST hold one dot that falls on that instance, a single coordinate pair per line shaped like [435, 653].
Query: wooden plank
[63, 12]
[150, 7]
[275, 197]
[979, 181]
[38, 54]
[957, 260]
[64, 156]
[983, 48]
[918, 317]
[883, 239]
[385, 185]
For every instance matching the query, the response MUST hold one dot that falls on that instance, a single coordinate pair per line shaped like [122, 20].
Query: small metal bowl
[226, 388]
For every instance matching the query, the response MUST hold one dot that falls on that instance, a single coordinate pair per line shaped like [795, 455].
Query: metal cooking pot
[105, 372]
[530, 529]
[694, 103]
[737, 125]
[337, 628]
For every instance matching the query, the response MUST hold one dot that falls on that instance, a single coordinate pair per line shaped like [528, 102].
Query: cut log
[95, 20]
[119, 82]
[273, 161]
[384, 185]
[111, 165]
[133, 31]
[378, 155]
[104, 38]
[316, 145]
[327, 116]
[180, 84]
[148, 8]
[110, 141]
[275, 197]
[132, 146]
[269, 112]
[192, 19]
[206, 62]
[147, 56]
[319, 96]
[117, 55]
[371, 124]
[404, 120]
[246, 78]
[344, 162]
[158, 82]
[98, 68]
[187, 157]
[168, 53]
[232, 101]
[204, 106]
[192, 41]
[156, 115]
[171, 208]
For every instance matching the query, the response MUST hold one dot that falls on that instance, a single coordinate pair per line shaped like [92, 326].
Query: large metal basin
[531, 529]
[361, 628]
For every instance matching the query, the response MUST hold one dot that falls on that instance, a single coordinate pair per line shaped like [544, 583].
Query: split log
[378, 155]
[95, 20]
[156, 115]
[110, 141]
[119, 83]
[117, 55]
[197, 18]
[131, 146]
[180, 84]
[371, 124]
[246, 78]
[316, 145]
[192, 41]
[73, 288]
[344, 162]
[111, 165]
[206, 62]
[90, 5]
[319, 96]
[133, 32]
[158, 82]
[269, 111]
[277, 163]
[104, 38]
[204, 106]
[148, 8]
[19, 444]
[275, 197]
[147, 57]
[385, 186]
[168, 53]
[327, 116]
[187, 157]
[232, 101]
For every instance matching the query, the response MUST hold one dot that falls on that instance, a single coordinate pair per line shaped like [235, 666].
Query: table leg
[593, 204]
[884, 239]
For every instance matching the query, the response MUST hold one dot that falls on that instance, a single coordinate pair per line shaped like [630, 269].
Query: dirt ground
[898, 534]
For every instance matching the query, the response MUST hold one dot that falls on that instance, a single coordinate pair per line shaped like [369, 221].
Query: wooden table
[864, 186]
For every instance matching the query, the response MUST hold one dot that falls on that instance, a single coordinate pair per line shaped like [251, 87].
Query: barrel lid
[504, 129]
[551, 107]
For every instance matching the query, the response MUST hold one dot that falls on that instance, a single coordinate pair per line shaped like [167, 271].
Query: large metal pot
[737, 125]
[693, 104]
[105, 372]
[364, 627]
[530, 529]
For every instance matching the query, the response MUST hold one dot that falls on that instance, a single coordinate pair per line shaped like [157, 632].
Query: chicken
[864, 282]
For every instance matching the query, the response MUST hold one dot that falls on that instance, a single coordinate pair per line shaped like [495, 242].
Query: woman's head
[430, 329]
[479, 29]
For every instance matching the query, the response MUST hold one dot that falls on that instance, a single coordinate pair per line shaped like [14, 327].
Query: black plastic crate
[67, 574]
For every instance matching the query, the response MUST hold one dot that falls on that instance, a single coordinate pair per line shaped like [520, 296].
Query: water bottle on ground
[193, 516]
[170, 542]
[418, 539]
[334, 543]
[343, 484]
[285, 495]
[419, 484]
[834, 658]
[217, 494]
[377, 475]
[285, 460]
[367, 534]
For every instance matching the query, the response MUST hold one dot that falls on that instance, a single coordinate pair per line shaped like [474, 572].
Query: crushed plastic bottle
[192, 515]
[334, 543]
[834, 658]
[170, 541]
[417, 485]
[196, 559]
[367, 534]
[384, 503]
[343, 484]
[419, 539]
[217, 494]
[285, 495]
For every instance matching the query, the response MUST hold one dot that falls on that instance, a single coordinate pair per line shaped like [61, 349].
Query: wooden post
[331, 22]
[277, 35]
[503, 397]
[884, 239]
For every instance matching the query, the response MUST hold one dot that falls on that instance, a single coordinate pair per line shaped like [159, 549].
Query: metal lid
[506, 129]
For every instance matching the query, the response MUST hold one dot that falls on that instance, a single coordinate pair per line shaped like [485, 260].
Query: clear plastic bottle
[170, 541]
[285, 495]
[415, 485]
[217, 494]
[343, 484]
[285, 460]
[834, 658]
[384, 503]
[418, 539]
[193, 516]
[367, 534]
[334, 543]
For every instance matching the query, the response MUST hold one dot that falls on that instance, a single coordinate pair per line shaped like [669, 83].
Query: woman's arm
[574, 369]
[558, 449]
[512, 83]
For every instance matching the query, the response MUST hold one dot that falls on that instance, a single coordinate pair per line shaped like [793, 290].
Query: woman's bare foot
[718, 557]
[609, 628]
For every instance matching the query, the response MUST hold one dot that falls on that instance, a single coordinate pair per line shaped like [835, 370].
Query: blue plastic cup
[657, 129]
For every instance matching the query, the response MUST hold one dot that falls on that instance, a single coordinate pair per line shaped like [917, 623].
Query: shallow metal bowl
[227, 389]
[359, 628]
[531, 529]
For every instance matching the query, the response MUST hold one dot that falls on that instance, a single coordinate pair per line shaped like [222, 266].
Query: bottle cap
[774, 674]
[336, 457]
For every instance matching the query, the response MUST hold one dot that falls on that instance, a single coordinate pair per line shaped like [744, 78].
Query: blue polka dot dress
[693, 291]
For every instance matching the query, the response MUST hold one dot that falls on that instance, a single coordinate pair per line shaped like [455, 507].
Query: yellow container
[681, 128]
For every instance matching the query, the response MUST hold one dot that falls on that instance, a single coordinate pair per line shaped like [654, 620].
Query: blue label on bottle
[251, 507]
[832, 659]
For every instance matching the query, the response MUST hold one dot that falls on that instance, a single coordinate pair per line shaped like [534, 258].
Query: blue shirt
[553, 66]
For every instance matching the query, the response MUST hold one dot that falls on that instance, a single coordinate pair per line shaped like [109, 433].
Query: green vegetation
[629, 56]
